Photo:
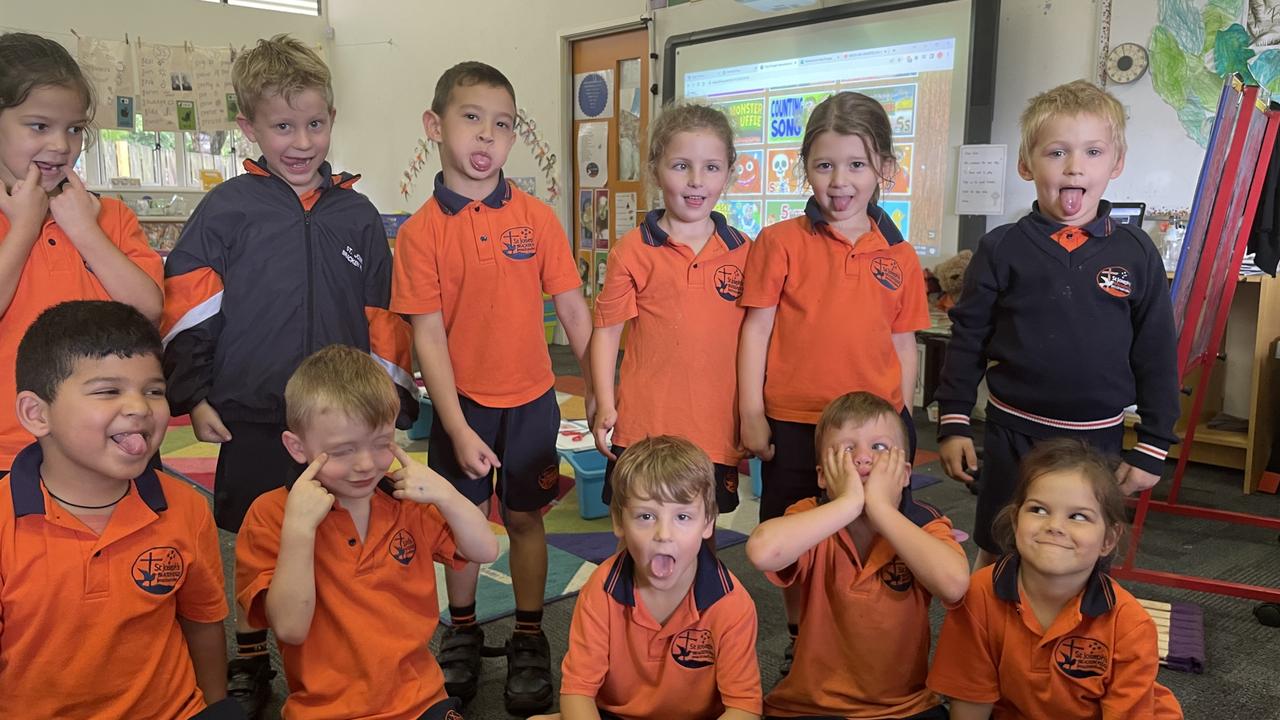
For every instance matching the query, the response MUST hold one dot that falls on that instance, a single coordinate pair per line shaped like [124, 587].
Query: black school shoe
[529, 689]
[460, 660]
[249, 684]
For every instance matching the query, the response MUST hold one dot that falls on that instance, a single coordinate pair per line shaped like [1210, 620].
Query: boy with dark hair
[471, 268]
[111, 598]
[340, 565]
[1065, 312]
[272, 266]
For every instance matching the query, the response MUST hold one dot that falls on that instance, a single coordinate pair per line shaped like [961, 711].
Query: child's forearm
[736, 714]
[291, 597]
[471, 532]
[776, 544]
[604, 361]
[207, 645]
[904, 344]
[123, 280]
[571, 310]
[431, 345]
[578, 707]
[962, 710]
[943, 571]
[753, 351]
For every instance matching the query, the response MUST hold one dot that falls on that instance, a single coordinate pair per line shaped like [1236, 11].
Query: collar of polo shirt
[28, 499]
[1099, 596]
[452, 203]
[654, 236]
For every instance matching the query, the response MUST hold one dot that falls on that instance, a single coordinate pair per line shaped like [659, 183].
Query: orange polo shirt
[485, 265]
[1098, 658]
[366, 653]
[701, 661]
[684, 314]
[89, 623]
[843, 664]
[55, 273]
[839, 302]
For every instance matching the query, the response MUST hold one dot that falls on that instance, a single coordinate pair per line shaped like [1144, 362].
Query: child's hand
[1134, 480]
[589, 402]
[75, 208]
[26, 203]
[308, 501]
[890, 472]
[415, 481]
[756, 436]
[475, 457]
[959, 458]
[207, 424]
[601, 423]
[842, 480]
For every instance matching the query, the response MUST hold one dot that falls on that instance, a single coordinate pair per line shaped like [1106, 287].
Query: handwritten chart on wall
[109, 65]
[216, 107]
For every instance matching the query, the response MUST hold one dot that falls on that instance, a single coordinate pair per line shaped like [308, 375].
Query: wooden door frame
[567, 139]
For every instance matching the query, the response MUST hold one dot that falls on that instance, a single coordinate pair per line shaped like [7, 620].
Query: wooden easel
[1211, 263]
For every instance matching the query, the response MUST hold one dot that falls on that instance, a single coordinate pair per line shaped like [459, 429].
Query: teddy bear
[950, 275]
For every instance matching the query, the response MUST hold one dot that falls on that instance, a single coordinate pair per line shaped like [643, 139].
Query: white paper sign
[624, 212]
[593, 156]
[980, 180]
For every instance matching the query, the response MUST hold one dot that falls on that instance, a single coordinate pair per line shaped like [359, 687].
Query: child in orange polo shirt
[340, 564]
[471, 268]
[111, 595]
[676, 279]
[833, 300]
[1045, 632]
[865, 559]
[58, 241]
[662, 629]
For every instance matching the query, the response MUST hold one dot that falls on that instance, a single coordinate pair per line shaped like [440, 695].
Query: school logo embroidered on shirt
[887, 272]
[403, 548]
[731, 480]
[353, 257]
[693, 648]
[897, 576]
[728, 282]
[1081, 657]
[518, 244]
[1114, 281]
[158, 570]
[453, 715]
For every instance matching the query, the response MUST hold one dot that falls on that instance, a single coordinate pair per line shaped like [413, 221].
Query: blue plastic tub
[757, 485]
[421, 429]
[588, 474]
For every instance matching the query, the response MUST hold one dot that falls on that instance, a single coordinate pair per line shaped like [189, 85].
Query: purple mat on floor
[920, 481]
[599, 546]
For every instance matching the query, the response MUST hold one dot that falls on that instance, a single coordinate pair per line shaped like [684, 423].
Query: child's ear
[246, 127]
[1119, 168]
[33, 413]
[1111, 540]
[710, 529]
[907, 483]
[431, 124]
[294, 445]
[822, 481]
[1024, 170]
[617, 524]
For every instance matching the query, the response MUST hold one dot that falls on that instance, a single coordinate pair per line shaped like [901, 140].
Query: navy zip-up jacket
[1072, 338]
[257, 282]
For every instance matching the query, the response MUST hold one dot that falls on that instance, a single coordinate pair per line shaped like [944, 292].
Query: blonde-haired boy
[340, 565]
[664, 597]
[1069, 309]
[273, 265]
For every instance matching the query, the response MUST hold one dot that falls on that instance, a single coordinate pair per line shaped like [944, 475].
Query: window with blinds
[297, 7]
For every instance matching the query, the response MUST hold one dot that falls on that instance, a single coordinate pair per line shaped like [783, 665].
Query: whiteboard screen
[914, 61]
